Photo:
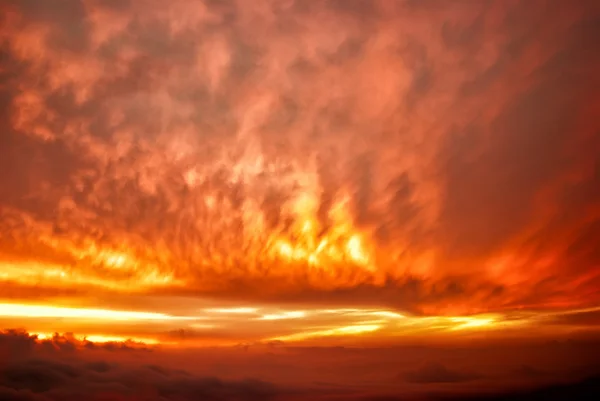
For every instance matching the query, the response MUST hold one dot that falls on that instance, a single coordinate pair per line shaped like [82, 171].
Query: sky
[295, 184]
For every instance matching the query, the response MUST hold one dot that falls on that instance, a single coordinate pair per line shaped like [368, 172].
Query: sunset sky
[249, 178]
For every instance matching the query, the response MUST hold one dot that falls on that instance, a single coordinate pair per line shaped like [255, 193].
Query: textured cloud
[438, 157]
[35, 371]
[49, 370]
[52, 380]
[18, 343]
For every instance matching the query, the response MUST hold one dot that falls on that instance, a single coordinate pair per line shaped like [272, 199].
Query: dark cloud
[527, 371]
[19, 343]
[57, 381]
[495, 171]
[438, 373]
[48, 370]
[50, 381]
[584, 318]
[7, 394]
[412, 294]
[34, 372]
[587, 389]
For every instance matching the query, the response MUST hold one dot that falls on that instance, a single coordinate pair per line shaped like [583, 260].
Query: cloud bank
[63, 369]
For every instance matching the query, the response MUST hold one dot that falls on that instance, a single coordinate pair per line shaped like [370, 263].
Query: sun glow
[235, 311]
[265, 322]
[338, 331]
[45, 311]
[100, 338]
[307, 242]
[342, 244]
[472, 322]
[284, 315]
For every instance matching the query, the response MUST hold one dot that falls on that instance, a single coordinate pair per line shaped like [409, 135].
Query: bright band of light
[40, 311]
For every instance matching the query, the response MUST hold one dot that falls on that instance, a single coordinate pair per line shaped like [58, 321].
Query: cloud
[585, 389]
[50, 380]
[588, 318]
[19, 343]
[437, 373]
[528, 371]
[37, 372]
[51, 370]
[57, 381]
[439, 149]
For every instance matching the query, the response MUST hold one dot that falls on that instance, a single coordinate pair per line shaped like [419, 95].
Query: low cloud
[41, 370]
[19, 343]
[437, 373]
[64, 369]
[53, 380]
[589, 318]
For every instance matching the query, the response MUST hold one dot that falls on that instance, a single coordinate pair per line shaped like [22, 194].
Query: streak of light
[342, 311]
[388, 314]
[241, 311]
[202, 326]
[568, 312]
[42, 311]
[100, 338]
[362, 312]
[38, 273]
[283, 315]
[338, 331]
[471, 322]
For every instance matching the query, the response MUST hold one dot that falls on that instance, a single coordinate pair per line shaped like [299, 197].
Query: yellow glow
[284, 315]
[114, 260]
[41, 311]
[264, 321]
[471, 322]
[388, 314]
[241, 311]
[202, 326]
[286, 250]
[335, 247]
[99, 338]
[34, 273]
[307, 243]
[338, 331]
[355, 250]
[342, 311]
[364, 312]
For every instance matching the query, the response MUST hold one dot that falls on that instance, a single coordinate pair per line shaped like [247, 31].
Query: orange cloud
[398, 156]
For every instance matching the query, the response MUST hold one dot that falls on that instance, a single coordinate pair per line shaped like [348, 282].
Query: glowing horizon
[267, 323]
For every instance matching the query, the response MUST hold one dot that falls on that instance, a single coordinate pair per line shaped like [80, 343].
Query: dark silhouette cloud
[286, 373]
[587, 389]
[53, 380]
[19, 343]
[438, 373]
[527, 371]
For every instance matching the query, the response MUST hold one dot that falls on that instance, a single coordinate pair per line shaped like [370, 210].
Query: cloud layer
[64, 369]
[437, 157]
